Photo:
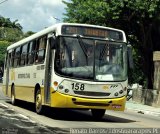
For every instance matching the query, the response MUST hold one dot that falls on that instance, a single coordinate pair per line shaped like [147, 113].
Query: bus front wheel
[38, 102]
[98, 113]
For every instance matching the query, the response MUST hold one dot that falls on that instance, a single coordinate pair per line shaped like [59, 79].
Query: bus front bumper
[59, 100]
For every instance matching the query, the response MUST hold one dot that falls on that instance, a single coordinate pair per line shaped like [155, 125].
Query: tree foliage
[10, 32]
[29, 33]
[139, 19]
[6, 22]
[3, 47]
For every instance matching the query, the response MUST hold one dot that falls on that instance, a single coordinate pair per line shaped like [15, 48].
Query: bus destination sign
[92, 32]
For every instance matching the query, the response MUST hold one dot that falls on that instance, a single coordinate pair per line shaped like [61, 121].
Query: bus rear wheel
[13, 99]
[98, 113]
[38, 102]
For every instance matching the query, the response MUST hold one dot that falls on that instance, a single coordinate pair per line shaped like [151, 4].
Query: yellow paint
[24, 93]
[12, 74]
[65, 101]
[4, 89]
[106, 87]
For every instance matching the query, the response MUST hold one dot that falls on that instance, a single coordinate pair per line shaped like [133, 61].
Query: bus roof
[57, 28]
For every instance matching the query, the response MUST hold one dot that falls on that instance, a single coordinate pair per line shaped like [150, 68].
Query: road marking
[25, 117]
[3, 105]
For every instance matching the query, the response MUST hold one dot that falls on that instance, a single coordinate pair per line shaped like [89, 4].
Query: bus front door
[48, 67]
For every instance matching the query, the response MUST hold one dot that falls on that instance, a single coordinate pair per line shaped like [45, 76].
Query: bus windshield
[91, 59]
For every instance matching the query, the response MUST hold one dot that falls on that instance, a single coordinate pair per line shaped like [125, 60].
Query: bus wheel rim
[13, 98]
[38, 102]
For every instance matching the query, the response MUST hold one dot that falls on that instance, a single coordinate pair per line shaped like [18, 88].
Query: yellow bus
[69, 65]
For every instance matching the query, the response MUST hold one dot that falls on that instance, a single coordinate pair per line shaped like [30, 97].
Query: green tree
[16, 25]
[6, 22]
[29, 33]
[3, 47]
[10, 32]
[139, 19]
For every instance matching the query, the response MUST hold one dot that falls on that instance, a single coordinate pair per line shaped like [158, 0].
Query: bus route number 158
[78, 86]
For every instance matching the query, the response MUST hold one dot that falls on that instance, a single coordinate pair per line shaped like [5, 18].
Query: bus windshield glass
[91, 59]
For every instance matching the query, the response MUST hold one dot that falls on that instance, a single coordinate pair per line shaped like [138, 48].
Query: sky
[33, 15]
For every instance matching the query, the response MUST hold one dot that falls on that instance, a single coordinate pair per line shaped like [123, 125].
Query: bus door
[47, 81]
[8, 62]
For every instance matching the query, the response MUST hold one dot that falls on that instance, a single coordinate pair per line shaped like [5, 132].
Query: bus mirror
[130, 56]
[52, 41]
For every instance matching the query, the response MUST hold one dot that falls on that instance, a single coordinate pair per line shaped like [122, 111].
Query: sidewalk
[143, 109]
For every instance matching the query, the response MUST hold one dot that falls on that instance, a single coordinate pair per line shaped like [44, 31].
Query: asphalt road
[23, 118]
[16, 120]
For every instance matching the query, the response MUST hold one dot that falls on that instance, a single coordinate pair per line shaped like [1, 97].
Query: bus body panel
[24, 80]
[66, 101]
[24, 93]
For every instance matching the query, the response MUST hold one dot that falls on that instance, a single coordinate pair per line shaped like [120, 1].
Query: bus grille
[88, 93]
[90, 104]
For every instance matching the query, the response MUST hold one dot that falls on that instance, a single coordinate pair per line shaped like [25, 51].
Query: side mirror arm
[130, 56]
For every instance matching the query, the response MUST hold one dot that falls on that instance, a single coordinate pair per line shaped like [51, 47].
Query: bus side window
[36, 51]
[17, 57]
[5, 63]
[40, 50]
[24, 55]
[12, 58]
[31, 53]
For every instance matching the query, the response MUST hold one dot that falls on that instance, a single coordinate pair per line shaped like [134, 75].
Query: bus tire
[98, 113]
[13, 98]
[38, 102]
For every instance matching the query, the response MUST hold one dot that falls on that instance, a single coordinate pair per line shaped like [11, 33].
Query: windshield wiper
[84, 49]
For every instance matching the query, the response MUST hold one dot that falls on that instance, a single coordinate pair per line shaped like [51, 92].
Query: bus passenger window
[41, 47]
[8, 60]
[12, 58]
[31, 49]
[41, 56]
[23, 55]
[17, 57]
[36, 51]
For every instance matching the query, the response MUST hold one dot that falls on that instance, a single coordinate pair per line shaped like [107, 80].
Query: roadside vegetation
[139, 19]
[10, 32]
